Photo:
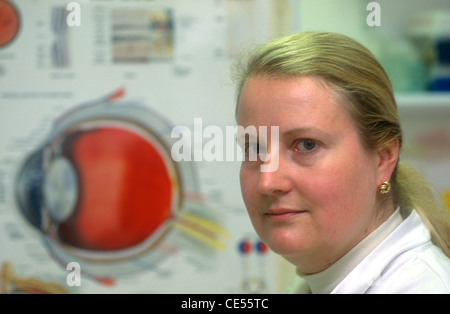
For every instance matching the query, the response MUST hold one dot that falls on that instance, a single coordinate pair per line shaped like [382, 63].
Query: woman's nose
[275, 182]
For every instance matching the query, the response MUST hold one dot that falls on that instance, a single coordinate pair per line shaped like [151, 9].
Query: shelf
[423, 100]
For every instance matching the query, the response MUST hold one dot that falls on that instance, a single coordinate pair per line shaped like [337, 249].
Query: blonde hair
[360, 80]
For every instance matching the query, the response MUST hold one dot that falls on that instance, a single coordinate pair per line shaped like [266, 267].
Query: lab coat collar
[325, 281]
[411, 233]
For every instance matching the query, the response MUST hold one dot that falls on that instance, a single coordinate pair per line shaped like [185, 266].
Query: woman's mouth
[283, 214]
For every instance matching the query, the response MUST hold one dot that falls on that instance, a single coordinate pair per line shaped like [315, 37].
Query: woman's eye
[306, 145]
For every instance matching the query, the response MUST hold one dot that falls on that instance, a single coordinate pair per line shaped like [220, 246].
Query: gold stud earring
[385, 188]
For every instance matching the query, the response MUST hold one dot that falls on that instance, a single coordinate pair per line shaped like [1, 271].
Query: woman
[340, 206]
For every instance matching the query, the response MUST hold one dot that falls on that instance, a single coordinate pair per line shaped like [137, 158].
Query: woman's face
[322, 199]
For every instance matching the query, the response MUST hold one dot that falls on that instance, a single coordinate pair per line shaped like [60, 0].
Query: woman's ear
[387, 161]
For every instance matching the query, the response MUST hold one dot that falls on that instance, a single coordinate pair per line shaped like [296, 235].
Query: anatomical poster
[93, 96]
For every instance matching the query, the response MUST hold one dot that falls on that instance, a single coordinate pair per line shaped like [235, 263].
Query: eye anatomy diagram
[103, 191]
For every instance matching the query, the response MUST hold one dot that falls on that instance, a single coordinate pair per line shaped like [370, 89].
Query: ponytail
[413, 191]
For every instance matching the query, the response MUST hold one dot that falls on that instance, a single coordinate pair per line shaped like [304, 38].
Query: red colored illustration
[135, 197]
[9, 22]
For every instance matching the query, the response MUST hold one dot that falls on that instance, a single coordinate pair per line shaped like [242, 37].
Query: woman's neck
[312, 262]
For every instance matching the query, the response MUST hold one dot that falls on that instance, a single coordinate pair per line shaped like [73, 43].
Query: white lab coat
[406, 261]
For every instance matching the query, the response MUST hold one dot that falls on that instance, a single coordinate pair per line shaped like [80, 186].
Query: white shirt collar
[325, 281]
